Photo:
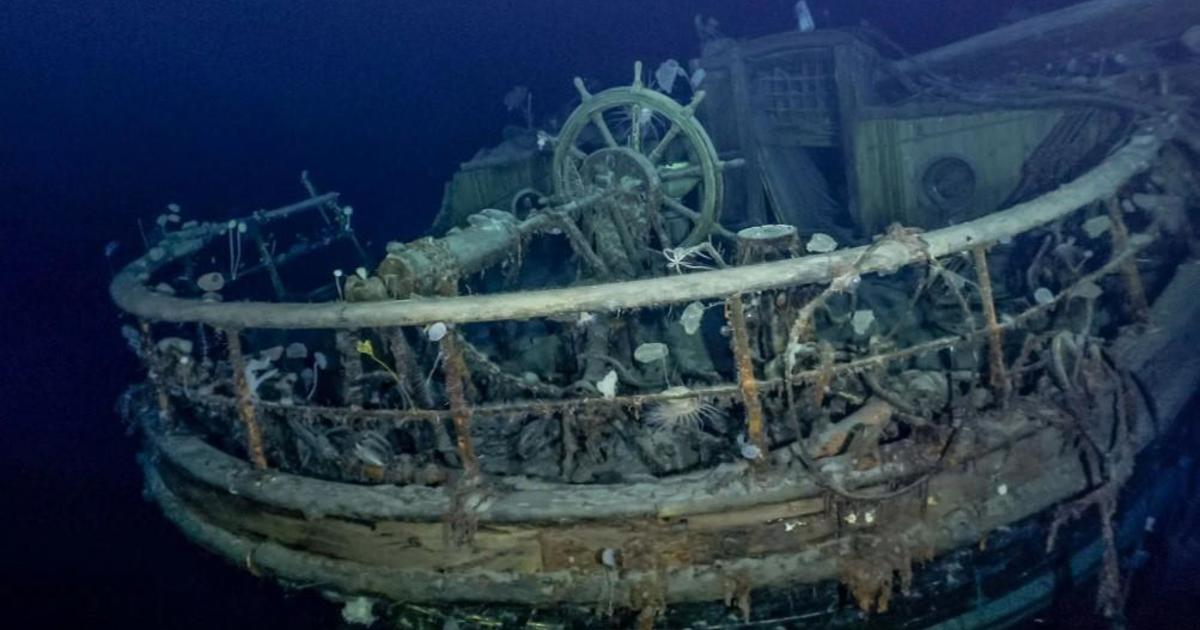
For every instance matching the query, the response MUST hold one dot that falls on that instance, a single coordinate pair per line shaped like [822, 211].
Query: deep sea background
[110, 109]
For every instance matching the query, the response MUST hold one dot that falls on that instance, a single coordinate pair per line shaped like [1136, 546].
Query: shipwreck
[835, 335]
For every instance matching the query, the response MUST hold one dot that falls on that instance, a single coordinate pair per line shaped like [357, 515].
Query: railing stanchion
[268, 261]
[154, 373]
[352, 370]
[736, 315]
[997, 374]
[245, 400]
[406, 365]
[1135, 293]
[460, 410]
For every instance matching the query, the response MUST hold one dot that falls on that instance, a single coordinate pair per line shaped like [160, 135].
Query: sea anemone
[680, 412]
[359, 611]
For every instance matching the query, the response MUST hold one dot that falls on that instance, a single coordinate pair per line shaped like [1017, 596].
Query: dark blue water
[110, 109]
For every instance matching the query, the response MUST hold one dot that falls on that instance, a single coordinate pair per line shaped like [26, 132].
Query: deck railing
[351, 391]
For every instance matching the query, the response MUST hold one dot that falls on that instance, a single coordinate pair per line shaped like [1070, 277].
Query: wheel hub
[628, 176]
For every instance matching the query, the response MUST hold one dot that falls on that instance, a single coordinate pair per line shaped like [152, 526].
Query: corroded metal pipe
[422, 267]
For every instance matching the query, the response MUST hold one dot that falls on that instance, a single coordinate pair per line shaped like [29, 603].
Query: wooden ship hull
[935, 427]
[982, 560]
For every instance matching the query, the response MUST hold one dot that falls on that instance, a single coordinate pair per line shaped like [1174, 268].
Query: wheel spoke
[696, 218]
[635, 127]
[699, 225]
[681, 208]
[660, 230]
[668, 174]
[598, 120]
[578, 153]
[656, 154]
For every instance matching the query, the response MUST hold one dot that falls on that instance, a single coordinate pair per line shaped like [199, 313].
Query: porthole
[949, 183]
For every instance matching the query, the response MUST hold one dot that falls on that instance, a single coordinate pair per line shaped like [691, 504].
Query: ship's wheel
[645, 137]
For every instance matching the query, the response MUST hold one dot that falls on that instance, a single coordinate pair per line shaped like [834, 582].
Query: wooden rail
[130, 292]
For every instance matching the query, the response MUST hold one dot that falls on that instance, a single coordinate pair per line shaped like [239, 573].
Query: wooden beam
[1074, 30]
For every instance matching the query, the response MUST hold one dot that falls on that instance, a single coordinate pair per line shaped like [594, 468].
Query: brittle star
[678, 257]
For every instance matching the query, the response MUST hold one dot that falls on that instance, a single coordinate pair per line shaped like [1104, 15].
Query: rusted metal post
[154, 373]
[245, 401]
[996, 372]
[268, 261]
[570, 446]
[406, 365]
[352, 370]
[362, 253]
[1135, 292]
[460, 410]
[340, 215]
[766, 242]
[735, 314]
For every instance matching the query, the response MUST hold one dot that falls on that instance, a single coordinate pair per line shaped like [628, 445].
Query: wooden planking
[528, 548]
[761, 514]
[670, 546]
[700, 539]
[893, 153]
[687, 552]
[684, 543]
[966, 501]
[386, 543]
[644, 544]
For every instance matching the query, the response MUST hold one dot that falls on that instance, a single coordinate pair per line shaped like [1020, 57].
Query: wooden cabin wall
[718, 112]
[772, 98]
[893, 153]
[491, 184]
[855, 69]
